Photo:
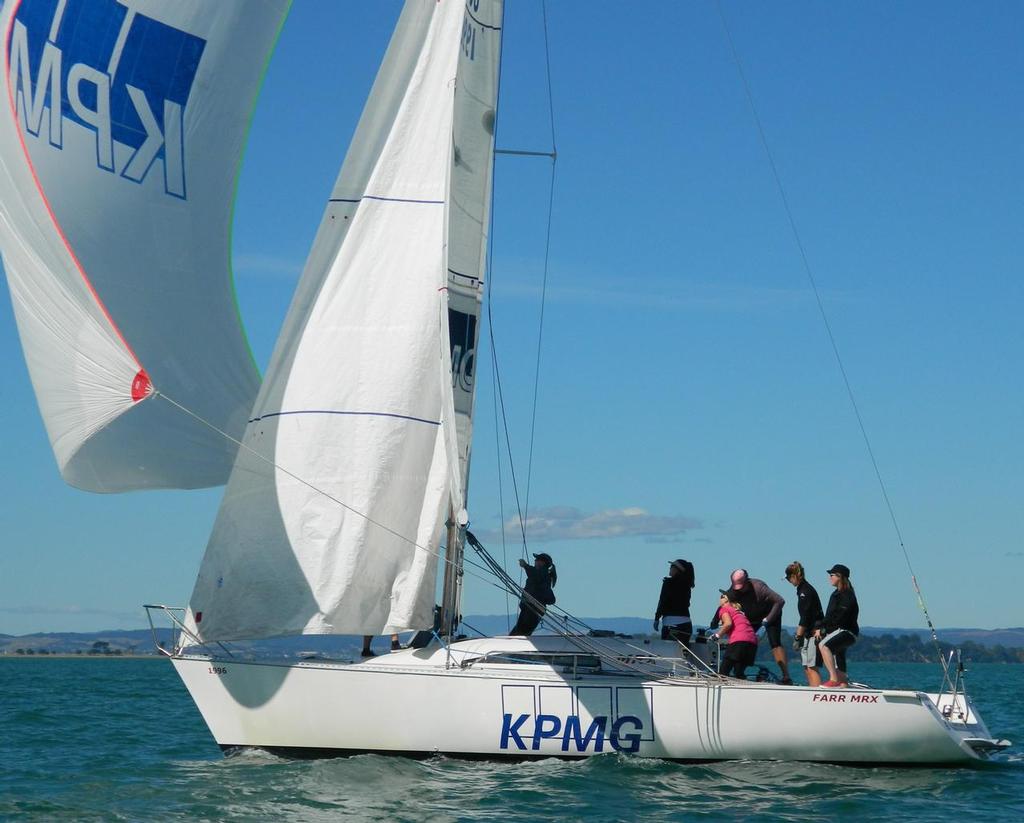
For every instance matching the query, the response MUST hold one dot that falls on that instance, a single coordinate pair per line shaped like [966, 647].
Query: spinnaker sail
[332, 519]
[121, 130]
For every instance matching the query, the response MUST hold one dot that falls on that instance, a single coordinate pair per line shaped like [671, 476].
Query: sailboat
[347, 467]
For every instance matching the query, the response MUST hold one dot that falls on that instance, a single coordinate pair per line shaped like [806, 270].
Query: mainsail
[332, 519]
[476, 103]
[122, 124]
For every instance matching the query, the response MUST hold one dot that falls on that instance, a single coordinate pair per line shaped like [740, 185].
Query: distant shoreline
[64, 656]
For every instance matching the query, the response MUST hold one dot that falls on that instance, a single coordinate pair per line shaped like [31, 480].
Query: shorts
[838, 642]
[773, 631]
[810, 655]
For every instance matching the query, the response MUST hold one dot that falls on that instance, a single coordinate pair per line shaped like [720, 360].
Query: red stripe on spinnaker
[49, 210]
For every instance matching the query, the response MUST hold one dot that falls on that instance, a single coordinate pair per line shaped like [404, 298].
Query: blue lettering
[98, 117]
[468, 39]
[540, 733]
[511, 730]
[48, 80]
[633, 744]
[594, 732]
[110, 68]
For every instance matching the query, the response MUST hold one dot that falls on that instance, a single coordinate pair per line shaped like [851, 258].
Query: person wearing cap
[763, 607]
[742, 646]
[673, 612]
[838, 630]
[537, 593]
[808, 604]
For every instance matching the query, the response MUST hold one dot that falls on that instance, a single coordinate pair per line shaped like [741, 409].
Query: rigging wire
[490, 329]
[443, 558]
[489, 568]
[580, 634]
[501, 495]
[522, 508]
[547, 256]
[504, 420]
[824, 317]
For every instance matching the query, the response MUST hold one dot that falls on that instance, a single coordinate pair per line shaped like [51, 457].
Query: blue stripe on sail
[351, 413]
[384, 199]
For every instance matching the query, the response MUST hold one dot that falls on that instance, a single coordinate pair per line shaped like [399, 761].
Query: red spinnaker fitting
[141, 386]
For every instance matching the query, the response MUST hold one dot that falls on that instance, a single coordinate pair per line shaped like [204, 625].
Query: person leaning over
[742, 646]
[763, 607]
[673, 612]
[537, 593]
[809, 606]
[838, 630]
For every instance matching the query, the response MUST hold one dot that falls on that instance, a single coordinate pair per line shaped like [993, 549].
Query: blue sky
[689, 403]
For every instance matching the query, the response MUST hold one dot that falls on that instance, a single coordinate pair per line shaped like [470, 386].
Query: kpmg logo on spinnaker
[121, 75]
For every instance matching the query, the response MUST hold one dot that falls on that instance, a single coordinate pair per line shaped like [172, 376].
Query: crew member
[763, 607]
[673, 612]
[540, 580]
[742, 646]
[808, 604]
[838, 630]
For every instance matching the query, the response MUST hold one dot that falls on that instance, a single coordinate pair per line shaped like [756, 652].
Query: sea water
[120, 739]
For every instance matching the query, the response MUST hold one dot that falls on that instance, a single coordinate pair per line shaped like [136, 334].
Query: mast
[451, 599]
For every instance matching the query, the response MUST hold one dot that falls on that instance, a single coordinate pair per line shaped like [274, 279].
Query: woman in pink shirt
[742, 640]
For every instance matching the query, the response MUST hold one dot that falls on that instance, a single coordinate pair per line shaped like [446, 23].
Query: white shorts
[810, 657]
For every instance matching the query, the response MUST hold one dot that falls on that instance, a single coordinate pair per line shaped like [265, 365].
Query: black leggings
[736, 657]
[527, 622]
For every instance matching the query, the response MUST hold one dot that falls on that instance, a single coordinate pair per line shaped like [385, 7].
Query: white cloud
[568, 523]
[570, 285]
[266, 264]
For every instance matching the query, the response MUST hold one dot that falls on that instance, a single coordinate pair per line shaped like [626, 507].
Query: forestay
[332, 519]
[121, 130]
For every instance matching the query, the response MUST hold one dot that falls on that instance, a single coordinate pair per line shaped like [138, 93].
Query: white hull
[410, 703]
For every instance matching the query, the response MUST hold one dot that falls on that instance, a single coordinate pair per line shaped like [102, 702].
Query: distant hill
[983, 637]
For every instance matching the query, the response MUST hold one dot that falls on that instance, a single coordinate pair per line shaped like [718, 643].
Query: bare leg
[779, 654]
[813, 677]
[830, 662]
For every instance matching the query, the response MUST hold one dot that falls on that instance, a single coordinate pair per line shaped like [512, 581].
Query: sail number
[468, 38]
[217, 669]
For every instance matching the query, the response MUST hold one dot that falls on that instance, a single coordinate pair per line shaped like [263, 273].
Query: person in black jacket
[540, 580]
[809, 607]
[838, 630]
[673, 612]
